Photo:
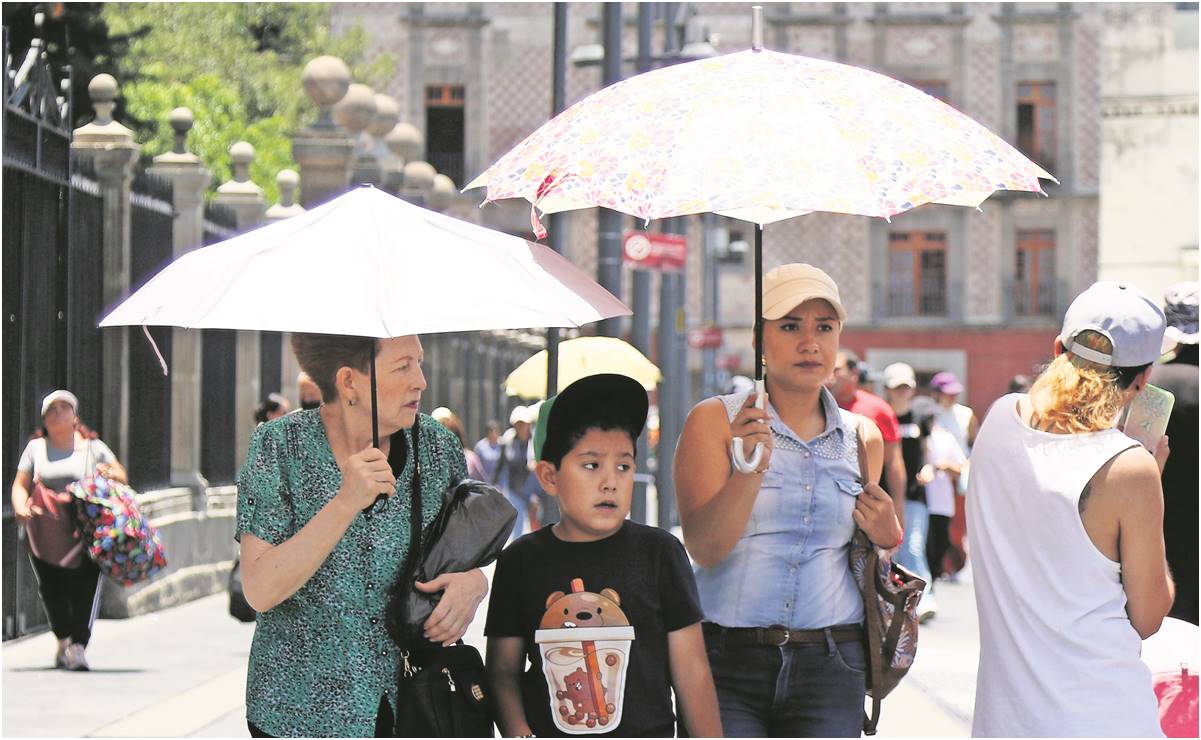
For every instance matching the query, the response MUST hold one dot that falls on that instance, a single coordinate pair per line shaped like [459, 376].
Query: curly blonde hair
[1077, 396]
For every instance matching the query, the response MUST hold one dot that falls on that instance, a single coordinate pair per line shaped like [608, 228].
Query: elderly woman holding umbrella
[318, 553]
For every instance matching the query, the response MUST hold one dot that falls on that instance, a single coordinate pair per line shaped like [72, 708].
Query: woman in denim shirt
[783, 615]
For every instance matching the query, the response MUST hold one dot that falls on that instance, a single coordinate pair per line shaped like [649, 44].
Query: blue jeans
[792, 691]
[912, 554]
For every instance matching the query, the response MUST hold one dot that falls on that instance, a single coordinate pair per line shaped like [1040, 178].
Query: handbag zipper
[450, 680]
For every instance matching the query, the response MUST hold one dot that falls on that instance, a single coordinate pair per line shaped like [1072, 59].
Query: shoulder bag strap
[871, 606]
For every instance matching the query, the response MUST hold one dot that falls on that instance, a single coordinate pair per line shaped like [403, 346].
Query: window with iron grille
[1036, 122]
[1034, 273]
[917, 273]
[444, 129]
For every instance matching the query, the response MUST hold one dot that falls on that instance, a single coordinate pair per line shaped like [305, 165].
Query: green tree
[237, 66]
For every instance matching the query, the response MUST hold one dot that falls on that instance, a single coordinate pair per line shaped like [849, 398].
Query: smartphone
[1147, 417]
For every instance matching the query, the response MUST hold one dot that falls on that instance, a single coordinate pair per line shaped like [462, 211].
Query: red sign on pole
[710, 337]
[646, 251]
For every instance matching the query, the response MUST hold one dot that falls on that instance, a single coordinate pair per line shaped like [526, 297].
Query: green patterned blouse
[321, 660]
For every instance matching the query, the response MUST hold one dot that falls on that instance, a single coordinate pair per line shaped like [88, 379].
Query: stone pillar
[112, 151]
[418, 182]
[355, 112]
[405, 143]
[442, 193]
[189, 179]
[289, 183]
[246, 200]
[387, 115]
[323, 150]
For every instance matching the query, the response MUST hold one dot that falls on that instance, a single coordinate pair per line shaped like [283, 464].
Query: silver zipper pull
[450, 679]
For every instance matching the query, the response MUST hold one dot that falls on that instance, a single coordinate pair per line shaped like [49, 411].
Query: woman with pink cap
[61, 452]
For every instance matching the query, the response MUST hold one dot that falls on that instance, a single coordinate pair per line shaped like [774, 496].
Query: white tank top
[1058, 655]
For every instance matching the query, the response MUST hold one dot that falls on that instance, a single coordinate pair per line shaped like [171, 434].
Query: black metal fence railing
[36, 303]
[152, 218]
[218, 415]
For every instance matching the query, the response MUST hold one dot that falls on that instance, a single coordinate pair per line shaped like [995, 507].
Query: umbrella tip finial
[756, 27]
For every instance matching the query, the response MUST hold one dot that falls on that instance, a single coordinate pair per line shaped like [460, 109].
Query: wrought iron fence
[152, 218]
[219, 348]
[36, 260]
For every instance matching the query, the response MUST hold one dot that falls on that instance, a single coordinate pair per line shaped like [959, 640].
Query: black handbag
[445, 696]
[442, 691]
[469, 532]
[239, 607]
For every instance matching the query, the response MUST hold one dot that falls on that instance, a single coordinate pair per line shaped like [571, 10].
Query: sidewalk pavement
[181, 672]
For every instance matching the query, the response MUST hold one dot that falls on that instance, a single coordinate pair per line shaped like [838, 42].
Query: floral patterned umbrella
[760, 136]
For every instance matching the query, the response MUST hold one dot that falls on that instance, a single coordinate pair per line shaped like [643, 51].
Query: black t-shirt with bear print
[640, 574]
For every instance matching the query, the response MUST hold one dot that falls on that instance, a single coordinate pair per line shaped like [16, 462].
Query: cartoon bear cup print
[585, 639]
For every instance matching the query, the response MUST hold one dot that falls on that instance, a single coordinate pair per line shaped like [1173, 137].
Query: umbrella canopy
[369, 264]
[579, 358]
[760, 136]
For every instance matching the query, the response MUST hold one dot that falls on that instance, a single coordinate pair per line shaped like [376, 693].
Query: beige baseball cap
[787, 286]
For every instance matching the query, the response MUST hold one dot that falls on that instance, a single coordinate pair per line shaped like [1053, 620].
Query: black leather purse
[442, 691]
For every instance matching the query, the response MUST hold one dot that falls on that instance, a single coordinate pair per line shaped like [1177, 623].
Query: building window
[1036, 122]
[917, 273]
[1034, 273]
[444, 129]
[934, 88]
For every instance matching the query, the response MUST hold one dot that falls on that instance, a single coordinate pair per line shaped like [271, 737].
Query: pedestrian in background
[960, 422]
[940, 478]
[900, 385]
[1180, 490]
[849, 374]
[319, 555]
[783, 616]
[488, 448]
[61, 452]
[448, 419]
[1066, 518]
[273, 406]
[514, 466]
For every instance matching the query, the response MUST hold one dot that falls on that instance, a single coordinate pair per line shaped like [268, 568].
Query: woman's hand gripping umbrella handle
[737, 454]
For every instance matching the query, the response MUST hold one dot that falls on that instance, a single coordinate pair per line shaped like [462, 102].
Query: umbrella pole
[374, 420]
[758, 302]
[374, 407]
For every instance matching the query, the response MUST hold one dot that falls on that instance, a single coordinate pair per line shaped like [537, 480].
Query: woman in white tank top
[1065, 513]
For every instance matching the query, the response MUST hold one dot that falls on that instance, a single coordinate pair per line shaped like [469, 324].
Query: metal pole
[556, 223]
[640, 328]
[608, 263]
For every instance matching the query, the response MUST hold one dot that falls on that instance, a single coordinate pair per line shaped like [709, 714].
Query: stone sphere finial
[287, 181]
[387, 114]
[356, 109]
[326, 80]
[442, 192]
[405, 141]
[181, 122]
[241, 155]
[419, 176]
[103, 92]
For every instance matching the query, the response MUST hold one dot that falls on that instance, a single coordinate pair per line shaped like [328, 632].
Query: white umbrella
[369, 264]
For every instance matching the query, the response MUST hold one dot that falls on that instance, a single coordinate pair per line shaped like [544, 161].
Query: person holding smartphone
[1065, 514]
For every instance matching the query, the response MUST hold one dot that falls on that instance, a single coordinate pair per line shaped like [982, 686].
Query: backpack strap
[871, 606]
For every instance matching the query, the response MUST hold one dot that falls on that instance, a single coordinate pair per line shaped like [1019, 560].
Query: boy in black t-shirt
[605, 609]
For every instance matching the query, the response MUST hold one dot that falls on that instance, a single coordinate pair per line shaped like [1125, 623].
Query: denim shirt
[790, 567]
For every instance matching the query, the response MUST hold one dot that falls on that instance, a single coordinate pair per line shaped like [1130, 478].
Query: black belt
[780, 636]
